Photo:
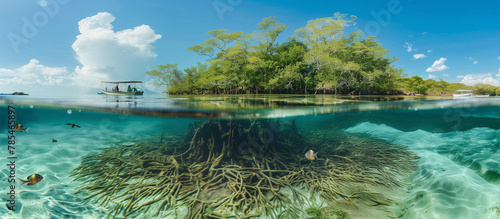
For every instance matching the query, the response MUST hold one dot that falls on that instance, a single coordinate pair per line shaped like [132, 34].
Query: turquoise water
[457, 174]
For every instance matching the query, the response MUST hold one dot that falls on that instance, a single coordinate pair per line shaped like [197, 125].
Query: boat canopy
[122, 82]
[122, 87]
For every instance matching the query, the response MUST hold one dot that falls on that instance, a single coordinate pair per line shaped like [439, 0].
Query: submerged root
[224, 169]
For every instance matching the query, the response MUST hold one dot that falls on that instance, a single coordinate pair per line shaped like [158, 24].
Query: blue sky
[44, 49]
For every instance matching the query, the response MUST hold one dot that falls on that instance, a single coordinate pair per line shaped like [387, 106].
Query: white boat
[122, 87]
[466, 94]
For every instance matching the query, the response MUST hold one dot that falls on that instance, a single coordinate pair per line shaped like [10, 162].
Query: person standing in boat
[116, 89]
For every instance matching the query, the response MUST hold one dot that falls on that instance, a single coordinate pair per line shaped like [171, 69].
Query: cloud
[445, 75]
[42, 3]
[498, 58]
[432, 76]
[473, 79]
[419, 56]
[471, 59]
[408, 46]
[429, 51]
[498, 75]
[88, 77]
[33, 74]
[424, 34]
[438, 66]
[7, 72]
[103, 54]
[460, 76]
[149, 84]
[106, 54]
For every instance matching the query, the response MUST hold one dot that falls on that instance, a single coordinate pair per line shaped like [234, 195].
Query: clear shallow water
[241, 106]
[457, 176]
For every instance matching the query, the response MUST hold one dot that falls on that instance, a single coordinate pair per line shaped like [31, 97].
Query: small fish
[73, 125]
[54, 140]
[20, 128]
[310, 155]
[32, 179]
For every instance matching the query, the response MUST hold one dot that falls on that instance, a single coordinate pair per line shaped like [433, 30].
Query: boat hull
[469, 96]
[462, 95]
[123, 93]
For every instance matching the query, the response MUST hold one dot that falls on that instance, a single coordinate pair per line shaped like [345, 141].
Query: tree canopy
[318, 57]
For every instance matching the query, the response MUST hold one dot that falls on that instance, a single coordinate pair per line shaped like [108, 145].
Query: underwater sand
[54, 195]
[441, 188]
[458, 173]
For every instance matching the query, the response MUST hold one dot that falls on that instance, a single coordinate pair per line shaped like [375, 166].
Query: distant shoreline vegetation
[318, 58]
[15, 93]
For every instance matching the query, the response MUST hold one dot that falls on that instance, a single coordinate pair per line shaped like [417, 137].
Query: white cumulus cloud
[33, 73]
[429, 51]
[438, 65]
[408, 46]
[106, 54]
[149, 84]
[33, 77]
[7, 72]
[473, 79]
[460, 76]
[432, 76]
[498, 58]
[445, 75]
[419, 56]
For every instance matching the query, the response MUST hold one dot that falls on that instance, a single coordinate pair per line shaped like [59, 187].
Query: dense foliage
[318, 57]
[418, 85]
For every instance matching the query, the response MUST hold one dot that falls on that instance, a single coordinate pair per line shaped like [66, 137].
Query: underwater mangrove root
[234, 168]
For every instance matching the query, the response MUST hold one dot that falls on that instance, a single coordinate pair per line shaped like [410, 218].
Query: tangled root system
[236, 168]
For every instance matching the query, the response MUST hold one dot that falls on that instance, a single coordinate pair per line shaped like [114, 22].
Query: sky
[68, 46]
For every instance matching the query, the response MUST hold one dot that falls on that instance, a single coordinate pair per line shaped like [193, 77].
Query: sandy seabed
[453, 179]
